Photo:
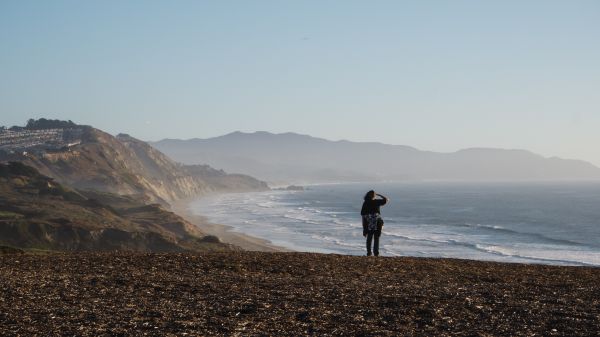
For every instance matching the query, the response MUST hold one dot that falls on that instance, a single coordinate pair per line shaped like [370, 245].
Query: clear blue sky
[437, 75]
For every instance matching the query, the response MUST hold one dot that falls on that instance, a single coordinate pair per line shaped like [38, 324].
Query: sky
[436, 75]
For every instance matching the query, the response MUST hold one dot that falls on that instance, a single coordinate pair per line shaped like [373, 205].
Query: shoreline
[228, 234]
[225, 233]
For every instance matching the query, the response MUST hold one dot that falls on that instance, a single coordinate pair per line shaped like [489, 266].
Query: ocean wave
[304, 222]
[578, 257]
[268, 204]
[337, 241]
[537, 236]
[419, 239]
[301, 219]
[545, 255]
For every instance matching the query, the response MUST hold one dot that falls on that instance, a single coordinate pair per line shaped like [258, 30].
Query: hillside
[38, 213]
[295, 158]
[121, 165]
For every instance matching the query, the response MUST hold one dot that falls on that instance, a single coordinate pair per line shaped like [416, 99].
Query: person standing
[371, 220]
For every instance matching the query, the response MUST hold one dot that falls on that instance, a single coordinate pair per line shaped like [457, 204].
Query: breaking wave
[327, 220]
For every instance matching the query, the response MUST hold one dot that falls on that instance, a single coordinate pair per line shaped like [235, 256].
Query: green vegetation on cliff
[102, 192]
[36, 212]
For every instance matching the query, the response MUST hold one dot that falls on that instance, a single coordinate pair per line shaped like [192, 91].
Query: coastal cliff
[127, 166]
[36, 212]
[65, 186]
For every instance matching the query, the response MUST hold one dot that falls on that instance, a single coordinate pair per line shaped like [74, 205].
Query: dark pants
[370, 235]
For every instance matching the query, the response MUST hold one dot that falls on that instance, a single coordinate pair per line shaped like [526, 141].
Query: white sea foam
[308, 221]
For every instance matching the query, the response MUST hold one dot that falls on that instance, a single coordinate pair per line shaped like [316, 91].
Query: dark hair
[370, 195]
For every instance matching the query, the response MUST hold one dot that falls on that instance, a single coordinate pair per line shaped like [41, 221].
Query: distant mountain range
[295, 158]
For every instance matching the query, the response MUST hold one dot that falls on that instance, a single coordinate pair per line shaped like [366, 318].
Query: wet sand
[223, 232]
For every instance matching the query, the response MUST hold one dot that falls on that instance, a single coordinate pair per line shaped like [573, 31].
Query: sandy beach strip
[223, 232]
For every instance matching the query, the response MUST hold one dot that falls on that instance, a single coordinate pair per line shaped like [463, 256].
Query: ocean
[550, 223]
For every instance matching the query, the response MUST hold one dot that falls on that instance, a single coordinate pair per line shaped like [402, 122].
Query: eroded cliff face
[38, 213]
[127, 166]
[103, 193]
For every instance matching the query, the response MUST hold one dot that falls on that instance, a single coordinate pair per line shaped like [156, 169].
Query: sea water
[556, 223]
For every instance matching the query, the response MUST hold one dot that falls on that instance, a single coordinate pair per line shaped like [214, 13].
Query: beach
[223, 232]
[546, 223]
[291, 294]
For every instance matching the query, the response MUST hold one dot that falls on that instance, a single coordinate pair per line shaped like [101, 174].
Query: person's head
[370, 195]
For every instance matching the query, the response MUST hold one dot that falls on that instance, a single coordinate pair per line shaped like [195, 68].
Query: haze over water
[556, 223]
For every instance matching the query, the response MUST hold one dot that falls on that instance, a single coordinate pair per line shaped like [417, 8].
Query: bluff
[123, 165]
[36, 212]
[65, 186]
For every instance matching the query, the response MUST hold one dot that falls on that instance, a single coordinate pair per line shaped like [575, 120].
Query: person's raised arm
[383, 198]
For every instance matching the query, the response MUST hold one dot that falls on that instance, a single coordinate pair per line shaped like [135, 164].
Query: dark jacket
[372, 206]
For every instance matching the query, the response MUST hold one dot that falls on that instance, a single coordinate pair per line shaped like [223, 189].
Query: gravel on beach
[291, 294]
